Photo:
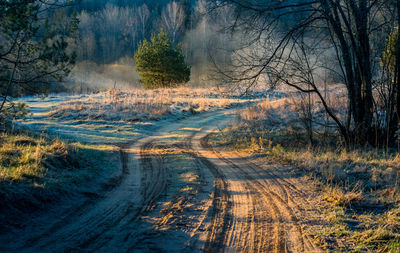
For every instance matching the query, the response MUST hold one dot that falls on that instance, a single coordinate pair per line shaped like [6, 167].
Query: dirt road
[179, 194]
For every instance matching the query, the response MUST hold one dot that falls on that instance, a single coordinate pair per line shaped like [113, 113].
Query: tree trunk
[363, 127]
[393, 117]
[396, 114]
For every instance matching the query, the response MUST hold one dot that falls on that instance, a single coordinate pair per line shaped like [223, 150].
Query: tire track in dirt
[152, 173]
[174, 211]
[267, 188]
[92, 226]
[219, 207]
[225, 226]
[283, 202]
[276, 197]
[220, 212]
[246, 229]
[96, 228]
[290, 190]
[278, 186]
[153, 184]
[274, 227]
[107, 186]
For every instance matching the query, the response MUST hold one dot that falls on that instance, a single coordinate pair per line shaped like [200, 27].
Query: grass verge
[37, 171]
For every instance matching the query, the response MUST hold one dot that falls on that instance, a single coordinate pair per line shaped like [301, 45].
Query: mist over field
[109, 33]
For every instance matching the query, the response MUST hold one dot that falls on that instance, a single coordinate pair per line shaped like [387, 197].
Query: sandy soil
[262, 208]
[178, 194]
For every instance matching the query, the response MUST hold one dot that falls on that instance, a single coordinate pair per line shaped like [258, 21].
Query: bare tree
[276, 29]
[143, 17]
[116, 32]
[109, 20]
[87, 40]
[173, 18]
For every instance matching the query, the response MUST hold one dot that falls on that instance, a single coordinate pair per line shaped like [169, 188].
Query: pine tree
[33, 51]
[160, 64]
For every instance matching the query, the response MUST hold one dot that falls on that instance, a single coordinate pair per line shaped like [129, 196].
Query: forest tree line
[110, 31]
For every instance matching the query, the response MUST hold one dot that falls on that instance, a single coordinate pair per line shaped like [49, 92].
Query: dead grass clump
[267, 114]
[338, 197]
[389, 195]
[377, 240]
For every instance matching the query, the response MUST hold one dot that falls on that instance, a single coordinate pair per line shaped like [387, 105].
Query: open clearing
[177, 193]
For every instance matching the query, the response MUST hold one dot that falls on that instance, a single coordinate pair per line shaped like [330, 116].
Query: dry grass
[359, 189]
[139, 104]
[22, 156]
